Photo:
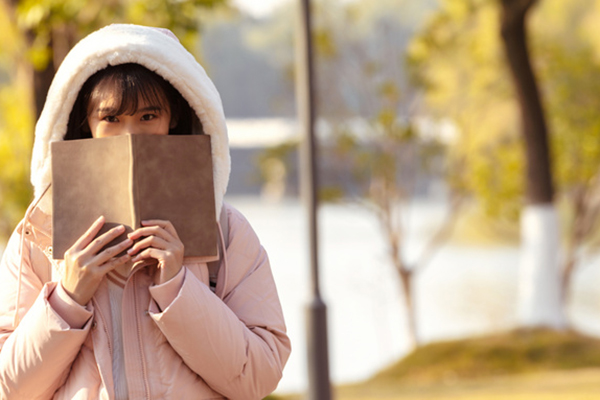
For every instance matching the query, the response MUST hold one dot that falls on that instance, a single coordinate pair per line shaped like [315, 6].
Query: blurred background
[459, 152]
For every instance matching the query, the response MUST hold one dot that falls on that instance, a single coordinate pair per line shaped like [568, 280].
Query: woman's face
[148, 119]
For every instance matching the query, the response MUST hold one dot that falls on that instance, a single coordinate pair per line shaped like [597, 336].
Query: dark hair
[134, 83]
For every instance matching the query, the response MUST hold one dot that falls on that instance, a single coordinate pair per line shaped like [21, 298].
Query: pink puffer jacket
[204, 345]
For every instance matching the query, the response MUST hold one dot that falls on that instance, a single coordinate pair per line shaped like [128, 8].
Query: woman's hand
[160, 242]
[86, 263]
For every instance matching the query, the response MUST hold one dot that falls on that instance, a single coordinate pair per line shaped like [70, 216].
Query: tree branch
[442, 235]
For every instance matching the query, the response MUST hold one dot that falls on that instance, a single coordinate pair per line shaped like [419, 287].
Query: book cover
[132, 178]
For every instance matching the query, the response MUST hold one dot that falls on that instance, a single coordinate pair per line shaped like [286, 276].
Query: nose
[131, 127]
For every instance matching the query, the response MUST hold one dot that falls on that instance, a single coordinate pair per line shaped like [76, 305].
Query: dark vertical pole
[319, 387]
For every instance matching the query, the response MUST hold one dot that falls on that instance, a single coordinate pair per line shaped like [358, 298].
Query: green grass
[533, 365]
[515, 352]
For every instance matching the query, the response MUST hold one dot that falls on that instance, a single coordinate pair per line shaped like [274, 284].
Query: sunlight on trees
[458, 60]
[16, 128]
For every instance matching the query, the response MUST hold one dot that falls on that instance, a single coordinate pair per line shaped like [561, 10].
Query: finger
[114, 263]
[150, 241]
[167, 225]
[149, 252]
[108, 253]
[89, 235]
[152, 231]
[97, 244]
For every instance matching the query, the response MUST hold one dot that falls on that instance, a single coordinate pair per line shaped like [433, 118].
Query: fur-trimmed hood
[159, 51]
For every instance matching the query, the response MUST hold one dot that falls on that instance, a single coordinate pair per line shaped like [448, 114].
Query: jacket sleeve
[237, 344]
[36, 355]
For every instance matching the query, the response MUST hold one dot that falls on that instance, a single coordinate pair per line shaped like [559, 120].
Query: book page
[173, 180]
[90, 178]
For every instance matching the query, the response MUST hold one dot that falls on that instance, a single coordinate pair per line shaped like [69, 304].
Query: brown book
[133, 178]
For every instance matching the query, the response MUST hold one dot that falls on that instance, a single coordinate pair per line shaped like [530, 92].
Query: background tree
[539, 301]
[372, 144]
[568, 65]
[460, 62]
[377, 132]
[375, 152]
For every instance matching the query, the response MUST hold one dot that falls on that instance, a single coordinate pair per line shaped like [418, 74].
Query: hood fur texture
[159, 51]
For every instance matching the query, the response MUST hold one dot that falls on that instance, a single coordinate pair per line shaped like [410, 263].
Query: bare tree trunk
[62, 39]
[539, 179]
[41, 83]
[539, 296]
[384, 197]
[409, 303]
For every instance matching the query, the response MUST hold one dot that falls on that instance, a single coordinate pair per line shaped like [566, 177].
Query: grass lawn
[552, 385]
[519, 365]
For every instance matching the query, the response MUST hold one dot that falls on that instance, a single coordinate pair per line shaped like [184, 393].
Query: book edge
[133, 186]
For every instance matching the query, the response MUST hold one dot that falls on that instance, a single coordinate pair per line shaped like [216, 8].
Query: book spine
[134, 185]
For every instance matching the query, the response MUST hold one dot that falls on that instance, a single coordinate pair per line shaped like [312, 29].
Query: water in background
[464, 291]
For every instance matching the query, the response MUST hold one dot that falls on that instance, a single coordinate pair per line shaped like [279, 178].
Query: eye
[110, 118]
[148, 117]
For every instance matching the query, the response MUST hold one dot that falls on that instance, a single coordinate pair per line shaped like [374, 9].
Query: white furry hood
[159, 51]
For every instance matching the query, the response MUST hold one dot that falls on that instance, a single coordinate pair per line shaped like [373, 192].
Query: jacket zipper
[139, 333]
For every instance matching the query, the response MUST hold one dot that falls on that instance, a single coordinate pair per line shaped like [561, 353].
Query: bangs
[128, 86]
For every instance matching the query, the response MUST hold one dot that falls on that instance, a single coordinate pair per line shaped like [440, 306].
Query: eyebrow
[112, 110]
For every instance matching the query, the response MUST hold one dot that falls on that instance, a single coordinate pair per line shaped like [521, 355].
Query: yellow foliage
[459, 59]
[590, 28]
[16, 126]
[16, 133]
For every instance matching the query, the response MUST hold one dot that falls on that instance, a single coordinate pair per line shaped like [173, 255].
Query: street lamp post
[319, 387]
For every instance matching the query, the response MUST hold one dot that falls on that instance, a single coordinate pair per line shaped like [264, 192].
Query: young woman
[136, 320]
